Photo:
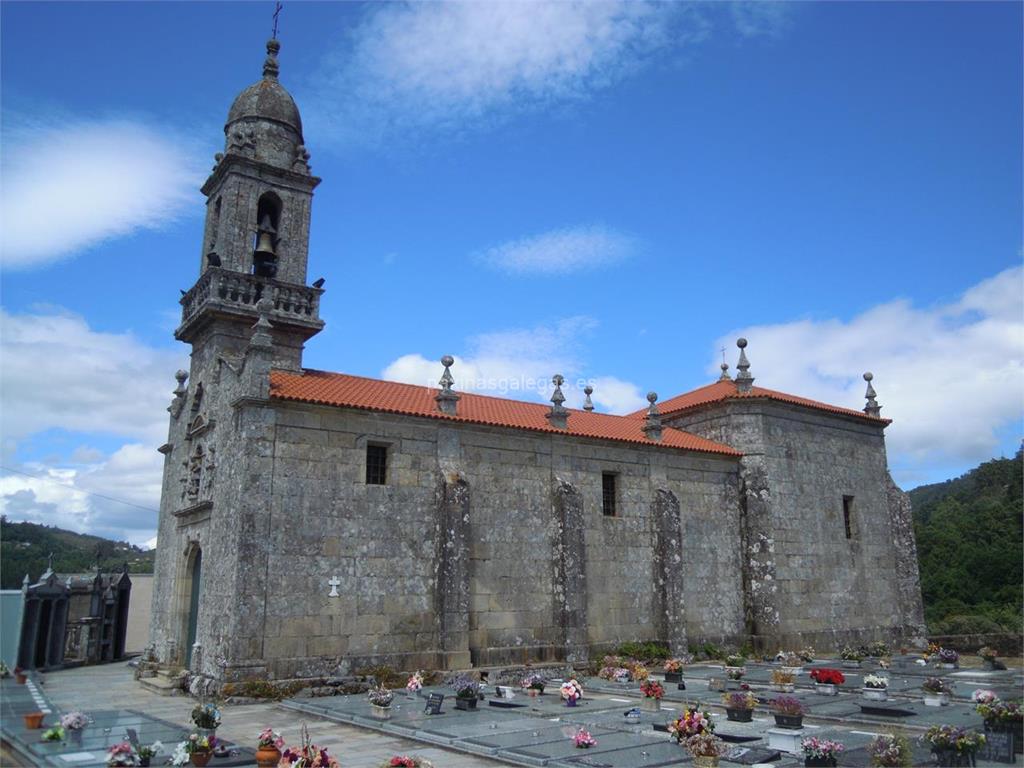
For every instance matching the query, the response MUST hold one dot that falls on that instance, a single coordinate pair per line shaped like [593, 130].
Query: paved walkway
[111, 686]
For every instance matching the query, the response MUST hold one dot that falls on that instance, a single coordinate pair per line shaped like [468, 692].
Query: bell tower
[256, 237]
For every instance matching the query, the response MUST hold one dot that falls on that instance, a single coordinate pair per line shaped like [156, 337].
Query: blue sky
[613, 191]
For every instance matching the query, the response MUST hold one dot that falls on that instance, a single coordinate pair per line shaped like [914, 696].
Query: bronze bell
[265, 257]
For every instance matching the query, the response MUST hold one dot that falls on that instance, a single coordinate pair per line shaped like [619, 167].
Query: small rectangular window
[376, 465]
[608, 494]
[847, 514]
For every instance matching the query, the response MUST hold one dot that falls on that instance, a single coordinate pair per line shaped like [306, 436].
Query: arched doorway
[194, 579]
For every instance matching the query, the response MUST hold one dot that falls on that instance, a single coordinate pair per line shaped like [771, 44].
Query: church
[313, 523]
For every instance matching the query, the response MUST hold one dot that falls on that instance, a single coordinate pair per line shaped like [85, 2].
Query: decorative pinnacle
[181, 377]
[270, 65]
[652, 424]
[872, 408]
[588, 404]
[558, 416]
[725, 372]
[446, 399]
[744, 381]
[261, 330]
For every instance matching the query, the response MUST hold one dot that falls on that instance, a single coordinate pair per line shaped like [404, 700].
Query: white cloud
[950, 376]
[58, 373]
[519, 363]
[71, 185]
[89, 498]
[560, 251]
[760, 18]
[447, 65]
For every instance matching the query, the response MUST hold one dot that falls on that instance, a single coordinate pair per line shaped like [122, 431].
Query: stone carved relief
[242, 142]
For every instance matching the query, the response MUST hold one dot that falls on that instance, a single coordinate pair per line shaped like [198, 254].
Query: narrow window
[376, 464]
[847, 512]
[608, 494]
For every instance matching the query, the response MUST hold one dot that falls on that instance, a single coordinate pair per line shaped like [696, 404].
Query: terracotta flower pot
[20, 678]
[34, 720]
[267, 757]
[201, 757]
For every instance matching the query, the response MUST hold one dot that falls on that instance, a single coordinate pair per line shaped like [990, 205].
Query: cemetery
[618, 714]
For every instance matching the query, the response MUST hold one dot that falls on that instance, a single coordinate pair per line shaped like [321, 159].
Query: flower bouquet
[652, 691]
[414, 684]
[467, 691]
[951, 744]
[783, 680]
[206, 717]
[147, 752]
[122, 754]
[851, 657]
[691, 723]
[890, 751]
[73, 724]
[583, 740]
[308, 755]
[200, 748]
[807, 654]
[4, 671]
[936, 692]
[948, 658]
[875, 688]
[405, 761]
[534, 684]
[571, 691]
[673, 669]
[988, 656]
[820, 752]
[56, 733]
[705, 748]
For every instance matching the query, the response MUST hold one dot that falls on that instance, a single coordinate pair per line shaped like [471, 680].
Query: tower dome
[266, 99]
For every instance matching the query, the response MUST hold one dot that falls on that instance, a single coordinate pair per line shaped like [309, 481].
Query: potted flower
[807, 654]
[789, 712]
[820, 752]
[652, 692]
[879, 650]
[890, 751]
[33, 720]
[826, 680]
[380, 699]
[673, 670]
[705, 748]
[783, 680]
[1001, 716]
[19, 676]
[268, 748]
[308, 754]
[988, 657]
[467, 692]
[4, 671]
[414, 684]
[122, 754]
[571, 691]
[875, 688]
[739, 706]
[534, 684]
[147, 752]
[948, 659]
[953, 746]
[206, 718]
[200, 748]
[851, 657]
[638, 672]
[936, 692]
[583, 739]
[74, 723]
[405, 761]
[788, 659]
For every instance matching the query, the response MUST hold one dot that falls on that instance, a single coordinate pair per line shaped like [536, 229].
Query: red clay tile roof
[726, 390]
[339, 389]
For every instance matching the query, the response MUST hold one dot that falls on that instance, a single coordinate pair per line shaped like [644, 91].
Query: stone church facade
[313, 522]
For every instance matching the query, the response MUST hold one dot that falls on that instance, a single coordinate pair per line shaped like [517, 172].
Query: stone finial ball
[447, 361]
[724, 366]
[181, 375]
[652, 397]
[869, 376]
[588, 390]
[741, 342]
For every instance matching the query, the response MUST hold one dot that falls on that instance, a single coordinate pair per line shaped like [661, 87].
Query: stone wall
[486, 546]
[806, 582]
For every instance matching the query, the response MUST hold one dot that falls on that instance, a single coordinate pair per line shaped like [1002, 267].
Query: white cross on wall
[334, 582]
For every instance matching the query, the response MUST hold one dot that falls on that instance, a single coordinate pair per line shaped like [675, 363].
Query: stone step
[162, 685]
